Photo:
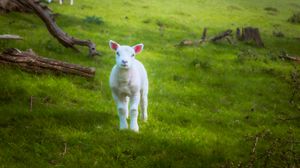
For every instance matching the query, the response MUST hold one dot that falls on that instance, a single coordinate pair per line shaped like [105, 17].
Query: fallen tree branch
[13, 5]
[41, 10]
[293, 58]
[30, 61]
[10, 37]
[187, 43]
[65, 150]
[222, 35]
[203, 38]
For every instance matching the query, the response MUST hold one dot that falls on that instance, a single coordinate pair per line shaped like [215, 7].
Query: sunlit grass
[203, 101]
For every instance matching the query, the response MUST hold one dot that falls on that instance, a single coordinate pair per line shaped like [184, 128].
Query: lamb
[129, 84]
[61, 1]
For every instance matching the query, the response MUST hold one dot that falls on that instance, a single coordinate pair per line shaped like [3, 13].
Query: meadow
[209, 105]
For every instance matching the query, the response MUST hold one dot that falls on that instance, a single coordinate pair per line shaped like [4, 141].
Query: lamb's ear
[113, 45]
[138, 48]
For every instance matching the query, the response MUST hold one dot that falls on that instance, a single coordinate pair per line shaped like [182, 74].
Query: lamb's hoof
[144, 118]
[123, 126]
[135, 130]
[121, 129]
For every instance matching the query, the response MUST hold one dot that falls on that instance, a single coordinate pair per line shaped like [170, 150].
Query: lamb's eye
[118, 54]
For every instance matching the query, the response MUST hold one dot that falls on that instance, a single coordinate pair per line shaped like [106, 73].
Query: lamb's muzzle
[129, 84]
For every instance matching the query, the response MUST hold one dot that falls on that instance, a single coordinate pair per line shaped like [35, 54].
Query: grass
[203, 103]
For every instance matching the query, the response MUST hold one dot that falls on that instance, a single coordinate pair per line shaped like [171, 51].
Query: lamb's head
[125, 54]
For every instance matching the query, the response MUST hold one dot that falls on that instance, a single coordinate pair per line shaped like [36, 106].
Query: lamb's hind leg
[144, 105]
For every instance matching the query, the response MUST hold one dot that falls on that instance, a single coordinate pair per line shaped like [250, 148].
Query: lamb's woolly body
[129, 84]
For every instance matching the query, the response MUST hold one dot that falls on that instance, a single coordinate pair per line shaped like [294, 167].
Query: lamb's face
[125, 55]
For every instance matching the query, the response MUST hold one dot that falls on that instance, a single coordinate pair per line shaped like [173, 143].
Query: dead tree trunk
[46, 15]
[30, 61]
[251, 34]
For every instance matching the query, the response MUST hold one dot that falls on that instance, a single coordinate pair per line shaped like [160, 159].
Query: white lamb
[129, 83]
[61, 1]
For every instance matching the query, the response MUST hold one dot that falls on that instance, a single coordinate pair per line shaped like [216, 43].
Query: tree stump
[250, 34]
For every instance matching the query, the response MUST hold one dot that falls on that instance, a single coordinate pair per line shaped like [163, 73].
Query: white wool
[129, 84]
[61, 1]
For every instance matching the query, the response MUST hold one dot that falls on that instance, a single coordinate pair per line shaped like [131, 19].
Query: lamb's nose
[124, 62]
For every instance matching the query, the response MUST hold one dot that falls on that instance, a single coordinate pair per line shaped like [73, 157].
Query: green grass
[203, 102]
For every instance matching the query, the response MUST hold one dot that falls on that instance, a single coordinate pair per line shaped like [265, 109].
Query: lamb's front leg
[126, 104]
[122, 106]
[134, 103]
[122, 110]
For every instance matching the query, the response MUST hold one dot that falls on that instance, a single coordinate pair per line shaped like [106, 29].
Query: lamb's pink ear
[138, 48]
[113, 45]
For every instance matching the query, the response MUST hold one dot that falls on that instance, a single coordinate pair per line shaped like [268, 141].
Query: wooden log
[10, 37]
[30, 61]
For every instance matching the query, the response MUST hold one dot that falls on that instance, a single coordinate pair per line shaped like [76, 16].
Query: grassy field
[207, 104]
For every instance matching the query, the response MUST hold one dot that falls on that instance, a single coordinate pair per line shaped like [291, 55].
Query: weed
[271, 9]
[295, 18]
[93, 20]
[247, 54]
[205, 65]
[269, 150]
